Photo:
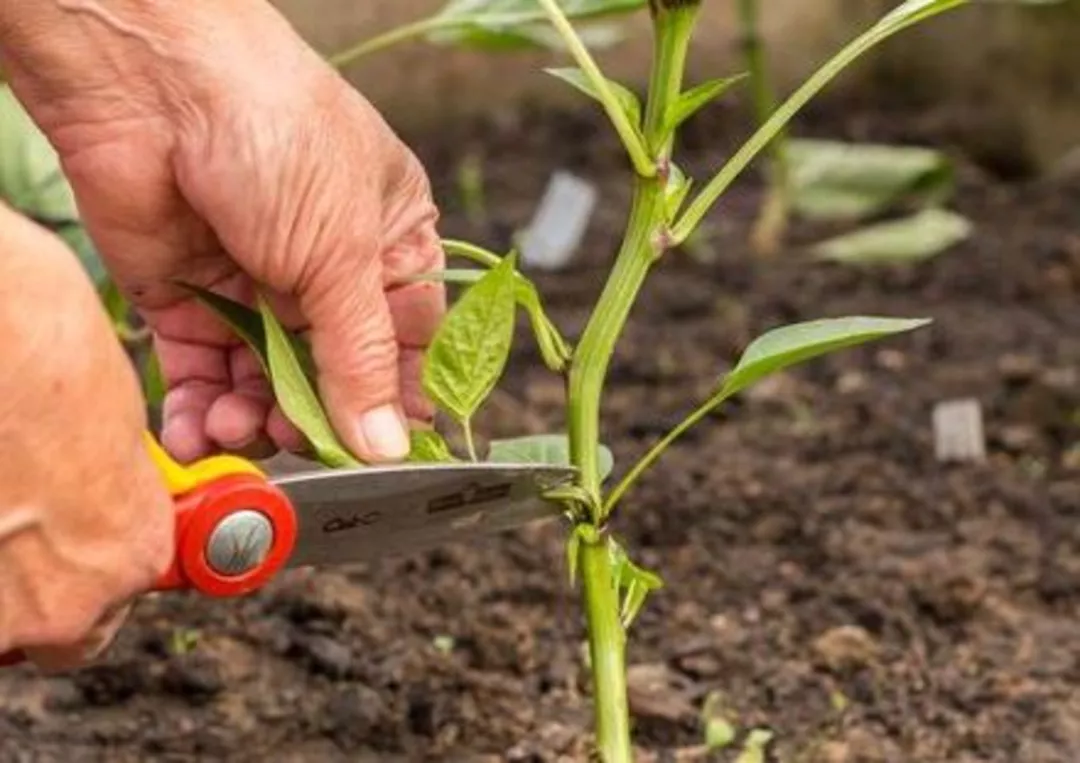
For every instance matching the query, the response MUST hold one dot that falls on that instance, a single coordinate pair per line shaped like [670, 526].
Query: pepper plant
[469, 353]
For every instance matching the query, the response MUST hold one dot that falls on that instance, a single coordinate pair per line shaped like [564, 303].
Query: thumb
[355, 349]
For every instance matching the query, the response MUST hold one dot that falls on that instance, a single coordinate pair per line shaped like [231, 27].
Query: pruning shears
[237, 527]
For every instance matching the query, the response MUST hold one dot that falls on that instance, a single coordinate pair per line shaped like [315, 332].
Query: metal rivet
[240, 543]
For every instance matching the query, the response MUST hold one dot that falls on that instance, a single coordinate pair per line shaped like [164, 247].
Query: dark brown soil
[827, 578]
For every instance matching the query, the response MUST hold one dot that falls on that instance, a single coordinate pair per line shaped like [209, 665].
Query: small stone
[851, 382]
[846, 647]
[1019, 437]
[658, 692]
[354, 715]
[193, 676]
[891, 360]
[325, 655]
[1015, 367]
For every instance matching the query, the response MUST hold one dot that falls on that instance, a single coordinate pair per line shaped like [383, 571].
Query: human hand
[85, 520]
[223, 152]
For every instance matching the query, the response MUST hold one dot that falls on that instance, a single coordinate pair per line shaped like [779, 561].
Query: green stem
[643, 243]
[470, 444]
[588, 368]
[387, 39]
[628, 133]
[655, 452]
[607, 652]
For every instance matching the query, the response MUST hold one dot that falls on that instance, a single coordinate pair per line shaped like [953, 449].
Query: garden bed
[826, 577]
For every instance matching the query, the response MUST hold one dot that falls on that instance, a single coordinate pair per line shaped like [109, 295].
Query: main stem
[643, 243]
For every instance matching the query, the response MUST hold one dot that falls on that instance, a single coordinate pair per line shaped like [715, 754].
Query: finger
[417, 405]
[237, 419]
[416, 310]
[196, 375]
[55, 659]
[284, 434]
[356, 352]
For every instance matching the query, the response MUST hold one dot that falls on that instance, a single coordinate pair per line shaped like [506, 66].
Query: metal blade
[355, 515]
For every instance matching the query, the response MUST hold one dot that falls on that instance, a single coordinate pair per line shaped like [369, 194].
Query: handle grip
[234, 530]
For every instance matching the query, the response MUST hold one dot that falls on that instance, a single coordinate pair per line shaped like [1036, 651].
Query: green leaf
[296, 395]
[469, 351]
[832, 180]
[248, 324]
[551, 449]
[636, 582]
[790, 345]
[772, 352]
[428, 446]
[628, 100]
[675, 192]
[900, 18]
[553, 347]
[919, 237]
[696, 98]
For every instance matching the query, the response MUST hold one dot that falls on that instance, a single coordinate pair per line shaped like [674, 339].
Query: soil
[827, 578]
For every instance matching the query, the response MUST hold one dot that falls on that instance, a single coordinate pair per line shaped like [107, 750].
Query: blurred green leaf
[756, 747]
[33, 182]
[153, 383]
[552, 449]
[297, 397]
[469, 351]
[900, 18]
[831, 180]
[628, 100]
[919, 237]
[514, 24]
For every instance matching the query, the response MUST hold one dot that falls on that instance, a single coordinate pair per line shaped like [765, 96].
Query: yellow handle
[182, 479]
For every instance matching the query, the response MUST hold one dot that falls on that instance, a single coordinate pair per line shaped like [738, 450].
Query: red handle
[202, 512]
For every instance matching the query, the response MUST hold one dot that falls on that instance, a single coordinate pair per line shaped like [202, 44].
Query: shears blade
[357, 515]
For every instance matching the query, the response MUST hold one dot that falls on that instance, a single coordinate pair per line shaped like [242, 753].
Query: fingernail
[383, 430]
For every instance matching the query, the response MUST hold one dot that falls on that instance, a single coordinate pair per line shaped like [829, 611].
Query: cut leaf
[296, 395]
[428, 446]
[469, 351]
[832, 180]
[552, 449]
[628, 100]
[696, 98]
[919, 237]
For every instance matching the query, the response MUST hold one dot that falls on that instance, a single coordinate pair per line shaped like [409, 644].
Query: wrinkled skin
[75, 542]
[207, 144]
